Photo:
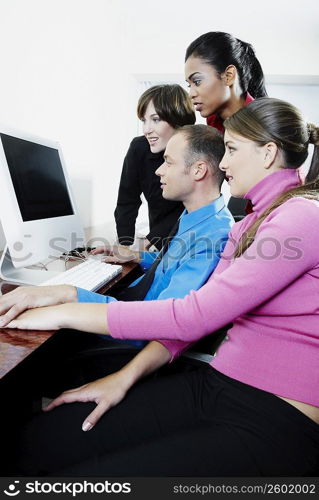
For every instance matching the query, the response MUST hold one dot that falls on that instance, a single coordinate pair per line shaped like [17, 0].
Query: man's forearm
[68, 293]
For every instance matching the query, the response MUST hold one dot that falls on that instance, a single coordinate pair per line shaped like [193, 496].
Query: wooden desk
[16, 345]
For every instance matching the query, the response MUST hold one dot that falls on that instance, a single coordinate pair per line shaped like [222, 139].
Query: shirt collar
[269, 188]
[187, 220]
[248, 99]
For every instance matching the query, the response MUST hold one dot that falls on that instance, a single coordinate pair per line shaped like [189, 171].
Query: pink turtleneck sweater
[270, 293]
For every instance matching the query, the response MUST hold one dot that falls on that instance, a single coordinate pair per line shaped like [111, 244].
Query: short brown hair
[171, 102]
[204, 143]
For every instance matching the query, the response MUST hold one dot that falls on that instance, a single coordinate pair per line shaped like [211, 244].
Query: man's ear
[229, 75]
[270, 151]
[199, 169]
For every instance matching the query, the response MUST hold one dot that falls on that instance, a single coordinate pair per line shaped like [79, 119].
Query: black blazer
[138, 176]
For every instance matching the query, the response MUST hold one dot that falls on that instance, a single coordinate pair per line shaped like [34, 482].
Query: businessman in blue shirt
[190, 173]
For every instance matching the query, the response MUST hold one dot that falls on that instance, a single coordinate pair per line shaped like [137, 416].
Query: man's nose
[160, 170]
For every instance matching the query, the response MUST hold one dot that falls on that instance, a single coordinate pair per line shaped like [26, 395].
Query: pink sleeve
[285, 247]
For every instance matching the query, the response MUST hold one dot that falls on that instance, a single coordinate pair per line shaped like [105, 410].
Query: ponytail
[313, 172]
[256, 82]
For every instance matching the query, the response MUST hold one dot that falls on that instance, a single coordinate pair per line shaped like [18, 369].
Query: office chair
[237, 207]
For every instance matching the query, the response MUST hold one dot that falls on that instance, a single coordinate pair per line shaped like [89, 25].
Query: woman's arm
[110, 390]
[247, 283]
[283, 250]
[129, 194]
[88, 317]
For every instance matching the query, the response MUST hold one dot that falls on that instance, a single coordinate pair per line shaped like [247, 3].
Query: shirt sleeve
[285, 247]
[86, 296]
[147, 259]
[129, 196]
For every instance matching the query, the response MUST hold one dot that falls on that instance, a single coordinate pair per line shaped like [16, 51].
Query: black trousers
[186, 420]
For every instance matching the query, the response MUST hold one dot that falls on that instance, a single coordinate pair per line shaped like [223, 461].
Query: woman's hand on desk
[105, 392]
[42, 318]
[117, 254]
[29, 297]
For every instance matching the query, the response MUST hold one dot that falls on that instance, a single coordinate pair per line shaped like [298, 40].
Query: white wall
[68, 70]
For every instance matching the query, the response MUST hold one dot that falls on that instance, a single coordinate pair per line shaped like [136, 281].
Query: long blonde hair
[272, 120]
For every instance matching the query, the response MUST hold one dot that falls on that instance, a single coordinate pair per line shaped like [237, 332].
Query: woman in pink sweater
[254, 410]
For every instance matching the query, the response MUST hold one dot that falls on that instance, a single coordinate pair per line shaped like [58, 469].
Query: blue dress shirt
[190, 258]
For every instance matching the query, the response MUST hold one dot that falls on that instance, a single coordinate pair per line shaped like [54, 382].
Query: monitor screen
[38, 179]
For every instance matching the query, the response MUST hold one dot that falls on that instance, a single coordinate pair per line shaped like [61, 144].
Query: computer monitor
[37, 209]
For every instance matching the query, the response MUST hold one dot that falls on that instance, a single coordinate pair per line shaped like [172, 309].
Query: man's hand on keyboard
[29, 297]
[117, 254]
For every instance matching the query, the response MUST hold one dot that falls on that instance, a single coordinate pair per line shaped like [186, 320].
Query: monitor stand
[23, 275]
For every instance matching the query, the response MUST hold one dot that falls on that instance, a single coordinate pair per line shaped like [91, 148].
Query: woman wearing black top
[162, 109]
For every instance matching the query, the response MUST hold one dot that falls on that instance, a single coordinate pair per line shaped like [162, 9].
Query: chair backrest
[237, 207]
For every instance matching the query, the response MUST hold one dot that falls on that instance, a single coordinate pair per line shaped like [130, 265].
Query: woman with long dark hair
[224, 75]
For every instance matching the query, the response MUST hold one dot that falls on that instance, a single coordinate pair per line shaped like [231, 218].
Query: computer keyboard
[91, 274]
